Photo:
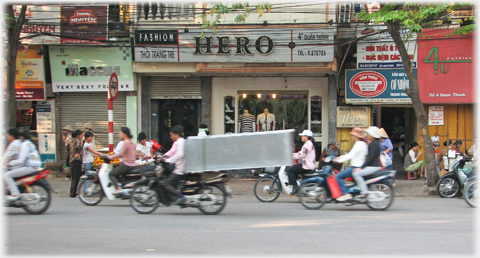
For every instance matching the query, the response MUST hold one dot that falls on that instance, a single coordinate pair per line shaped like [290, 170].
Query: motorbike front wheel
[470, 193]
[220, 203]
[312, 196]
[264, 190]
[448, 187]
[45, 199]
[387, 189]
[143, 199]
[90, 192]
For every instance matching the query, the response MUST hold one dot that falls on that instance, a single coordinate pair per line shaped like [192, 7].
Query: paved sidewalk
[244, 186]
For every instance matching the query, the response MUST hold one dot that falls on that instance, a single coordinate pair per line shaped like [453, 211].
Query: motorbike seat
[31, 174]
[141, 170]
[378, 173]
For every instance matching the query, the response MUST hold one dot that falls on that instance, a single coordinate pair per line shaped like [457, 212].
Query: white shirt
[28, 156]
[145, 149]
[118, 148]
[87, 155]
[357, 155]
[12, 151]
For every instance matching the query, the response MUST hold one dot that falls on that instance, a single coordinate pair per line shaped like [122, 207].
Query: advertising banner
[46, 130]
[435, 115]
[447, 66]
[349, 117]
[379, 51]
[43, 26]
[84, 24]
[377, 87]
[88, 69]
[30, 77]
[235, 45]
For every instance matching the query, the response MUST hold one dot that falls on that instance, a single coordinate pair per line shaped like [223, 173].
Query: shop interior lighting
[244, 95]
[274, 96]
[259, 95]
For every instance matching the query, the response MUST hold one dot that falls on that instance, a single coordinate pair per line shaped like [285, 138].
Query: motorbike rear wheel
[312, 196]
[143, 199]
[264, 190]
[218, 206]
[470, 193]
[90, 194]
[387, 189]
[44, 203]
[448, 187]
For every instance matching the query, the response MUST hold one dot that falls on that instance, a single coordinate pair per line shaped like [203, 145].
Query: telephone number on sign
[312, 52]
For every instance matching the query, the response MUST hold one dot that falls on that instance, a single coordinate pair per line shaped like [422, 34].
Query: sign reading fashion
[447, 67]
[349, 117]
[90, 68]
[379, 51]
[235, 45]
[377, 86]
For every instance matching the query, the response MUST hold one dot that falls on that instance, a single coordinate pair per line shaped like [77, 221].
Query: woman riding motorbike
[356, 156]
[307, 154]
[28, 161]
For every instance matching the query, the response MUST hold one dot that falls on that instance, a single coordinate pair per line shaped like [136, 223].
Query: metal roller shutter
[78, 108]
[175, 88]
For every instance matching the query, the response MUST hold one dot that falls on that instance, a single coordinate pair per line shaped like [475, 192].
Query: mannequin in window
[265, 121]
[246, 122]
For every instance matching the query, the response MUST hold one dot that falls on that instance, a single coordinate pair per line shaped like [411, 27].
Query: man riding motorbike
[28, 161]
[176, 155]
[13, 147]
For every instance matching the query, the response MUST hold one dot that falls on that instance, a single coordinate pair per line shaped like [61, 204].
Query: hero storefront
[81, 76]
[282, 71]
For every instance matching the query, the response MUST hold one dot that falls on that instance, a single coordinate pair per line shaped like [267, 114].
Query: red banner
[446, 67]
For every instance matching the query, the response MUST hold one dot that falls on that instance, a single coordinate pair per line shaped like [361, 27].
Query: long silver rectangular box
[239, 151]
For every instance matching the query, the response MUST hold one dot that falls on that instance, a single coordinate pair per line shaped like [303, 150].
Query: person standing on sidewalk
[67, 136]
[386, 147]
[89, 152]
[76, 158]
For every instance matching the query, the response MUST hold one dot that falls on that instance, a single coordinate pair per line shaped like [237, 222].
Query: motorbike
[207, 195]
[315, 192]
[470, 192]
[93, 186]
[35, 191]
[271, 184]
[455, 180]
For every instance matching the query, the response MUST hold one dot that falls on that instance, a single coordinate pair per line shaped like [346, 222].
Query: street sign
[113, 86]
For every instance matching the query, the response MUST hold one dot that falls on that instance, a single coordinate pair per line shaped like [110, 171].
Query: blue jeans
[87, 167]
[342, 175]
[390, 167]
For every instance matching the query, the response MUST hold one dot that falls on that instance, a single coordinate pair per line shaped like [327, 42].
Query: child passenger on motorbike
[356, 156]
[127, 153]
[372, 164]
[307, 154]
[176, 155]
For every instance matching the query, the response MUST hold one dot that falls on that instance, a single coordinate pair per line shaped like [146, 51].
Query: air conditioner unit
[344, 13]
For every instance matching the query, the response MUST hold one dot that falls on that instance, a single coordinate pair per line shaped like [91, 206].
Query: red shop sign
[368, 84]
[446, 67]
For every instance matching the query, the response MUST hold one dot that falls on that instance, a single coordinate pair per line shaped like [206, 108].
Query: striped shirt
[246, 122]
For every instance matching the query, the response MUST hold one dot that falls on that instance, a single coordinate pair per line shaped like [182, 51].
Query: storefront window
[272, 111]
[316, 115]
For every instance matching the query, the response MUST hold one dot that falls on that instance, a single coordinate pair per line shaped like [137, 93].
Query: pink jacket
[127, 153]
[307, 154]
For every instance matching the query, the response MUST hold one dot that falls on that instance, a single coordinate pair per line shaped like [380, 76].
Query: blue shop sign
[385, 86]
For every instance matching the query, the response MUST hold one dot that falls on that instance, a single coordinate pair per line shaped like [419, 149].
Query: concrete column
[145, 104]
[332, 108]
[131, 107]
[206, 107]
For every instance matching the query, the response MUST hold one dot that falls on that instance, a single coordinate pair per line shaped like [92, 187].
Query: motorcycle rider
[127, 153]
[13, 147]
[307, 154]
[356, 156]
[176, 155]
[372, 163]
[28, 161]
